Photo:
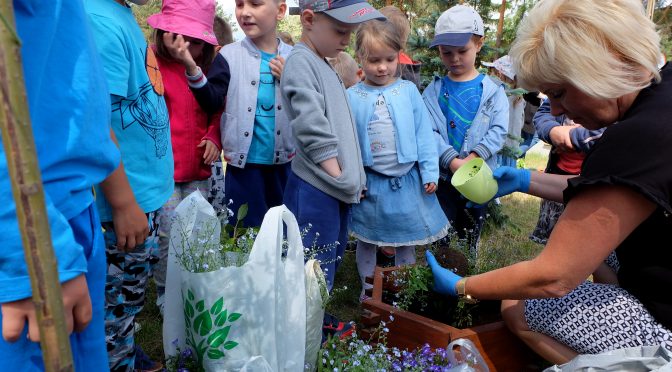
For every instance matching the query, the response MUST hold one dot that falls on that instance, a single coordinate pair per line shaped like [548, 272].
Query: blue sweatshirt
[582, 138]
[70, 114]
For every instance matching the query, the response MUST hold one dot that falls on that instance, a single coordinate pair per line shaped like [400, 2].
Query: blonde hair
[605, 48]
[346, 68]
[376, 31]
[399, 21]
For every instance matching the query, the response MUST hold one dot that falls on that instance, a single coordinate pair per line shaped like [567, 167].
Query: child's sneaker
[331, 326]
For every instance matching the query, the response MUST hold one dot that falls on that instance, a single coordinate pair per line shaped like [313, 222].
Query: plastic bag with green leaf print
[235, 316]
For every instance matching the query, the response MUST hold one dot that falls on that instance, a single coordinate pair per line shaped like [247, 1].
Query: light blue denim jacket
[410, 117]
[237, 123]
[487, 133]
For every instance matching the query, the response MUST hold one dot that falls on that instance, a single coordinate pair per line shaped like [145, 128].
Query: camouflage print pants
[127, 276]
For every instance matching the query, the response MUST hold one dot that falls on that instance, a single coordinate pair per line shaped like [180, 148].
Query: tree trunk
[17, 139]
[500, 27]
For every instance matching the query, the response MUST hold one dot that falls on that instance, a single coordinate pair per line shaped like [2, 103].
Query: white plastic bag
[241, 317]
[469, 360]
[634, 359]
[316, 298]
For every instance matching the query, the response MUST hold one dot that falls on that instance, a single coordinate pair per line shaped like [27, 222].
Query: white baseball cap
[456, 25]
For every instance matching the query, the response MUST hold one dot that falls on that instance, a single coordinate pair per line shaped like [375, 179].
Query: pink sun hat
[193, 18]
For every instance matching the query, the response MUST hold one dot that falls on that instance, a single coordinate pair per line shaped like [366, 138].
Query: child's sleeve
[584, 139]
[493, 140]
[310, 126]
[543, 121]
[14, 277]
[112, 50]
[428, 159]
[210, 92]
[214, 132]
[445, 151]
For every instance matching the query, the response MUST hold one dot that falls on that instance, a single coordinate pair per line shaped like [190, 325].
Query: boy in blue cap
[470, 114]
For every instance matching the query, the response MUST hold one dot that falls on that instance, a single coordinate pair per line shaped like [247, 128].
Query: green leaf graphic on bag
[230, 345]
[217, 306]
[188, 309]
[233, 317]
[215, 354]
[203, 323]
[210, 324]
[218, 337]
[221, 318]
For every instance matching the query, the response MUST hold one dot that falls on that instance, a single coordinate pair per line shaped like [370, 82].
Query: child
[223, 32]
[511, 150]
[347, 69]
[570, 143]
[408, 68]
[216, 194]
[470, 114]
[255, 130]
[69, 114]
[129, 199]
[399, 156]
[195, 79]
[327, 174]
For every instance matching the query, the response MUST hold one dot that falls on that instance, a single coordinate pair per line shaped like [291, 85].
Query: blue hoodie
[488, 130]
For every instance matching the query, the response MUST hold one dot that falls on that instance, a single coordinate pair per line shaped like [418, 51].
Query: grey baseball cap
[346, 11]
[456, 25]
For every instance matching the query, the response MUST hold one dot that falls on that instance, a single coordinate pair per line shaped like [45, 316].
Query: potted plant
[422, 316]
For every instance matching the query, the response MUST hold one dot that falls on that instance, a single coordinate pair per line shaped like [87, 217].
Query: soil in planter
[446, 309]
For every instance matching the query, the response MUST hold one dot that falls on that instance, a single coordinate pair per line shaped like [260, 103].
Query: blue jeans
[260, 186]
[328, 219]
[88, 347]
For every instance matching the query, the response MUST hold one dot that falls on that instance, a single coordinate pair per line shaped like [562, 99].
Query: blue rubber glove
[444, 279]
[510, 180]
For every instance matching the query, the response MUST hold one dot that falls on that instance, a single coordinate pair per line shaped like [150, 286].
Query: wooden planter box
[501, 349]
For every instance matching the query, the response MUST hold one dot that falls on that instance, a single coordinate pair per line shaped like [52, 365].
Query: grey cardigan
[322, 124]
[237, 123]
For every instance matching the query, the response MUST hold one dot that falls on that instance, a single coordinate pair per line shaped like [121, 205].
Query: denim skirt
[398, 212]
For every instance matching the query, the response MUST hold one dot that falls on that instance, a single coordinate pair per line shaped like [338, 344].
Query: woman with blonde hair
[621, 202]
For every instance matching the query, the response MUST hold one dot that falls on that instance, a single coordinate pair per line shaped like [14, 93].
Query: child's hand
[456, 163]
[76, 304]
[211, 152]
[430, 188]
[362, 195]
[277, 65]
[130, 226]
[179, 50]
[561, 139]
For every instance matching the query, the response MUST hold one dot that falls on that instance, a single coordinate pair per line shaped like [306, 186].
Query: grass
[499, 246]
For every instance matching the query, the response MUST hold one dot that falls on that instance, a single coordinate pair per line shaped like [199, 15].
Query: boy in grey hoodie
[327, 174]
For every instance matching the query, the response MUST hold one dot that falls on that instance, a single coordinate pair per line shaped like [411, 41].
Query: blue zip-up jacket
[237, 123]
[582, 138]
[486, 135]
[410, 117]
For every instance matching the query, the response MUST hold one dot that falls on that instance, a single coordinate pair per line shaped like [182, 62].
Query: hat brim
[488, 64]
[451, 39]
[355, 13]
[178, 26]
